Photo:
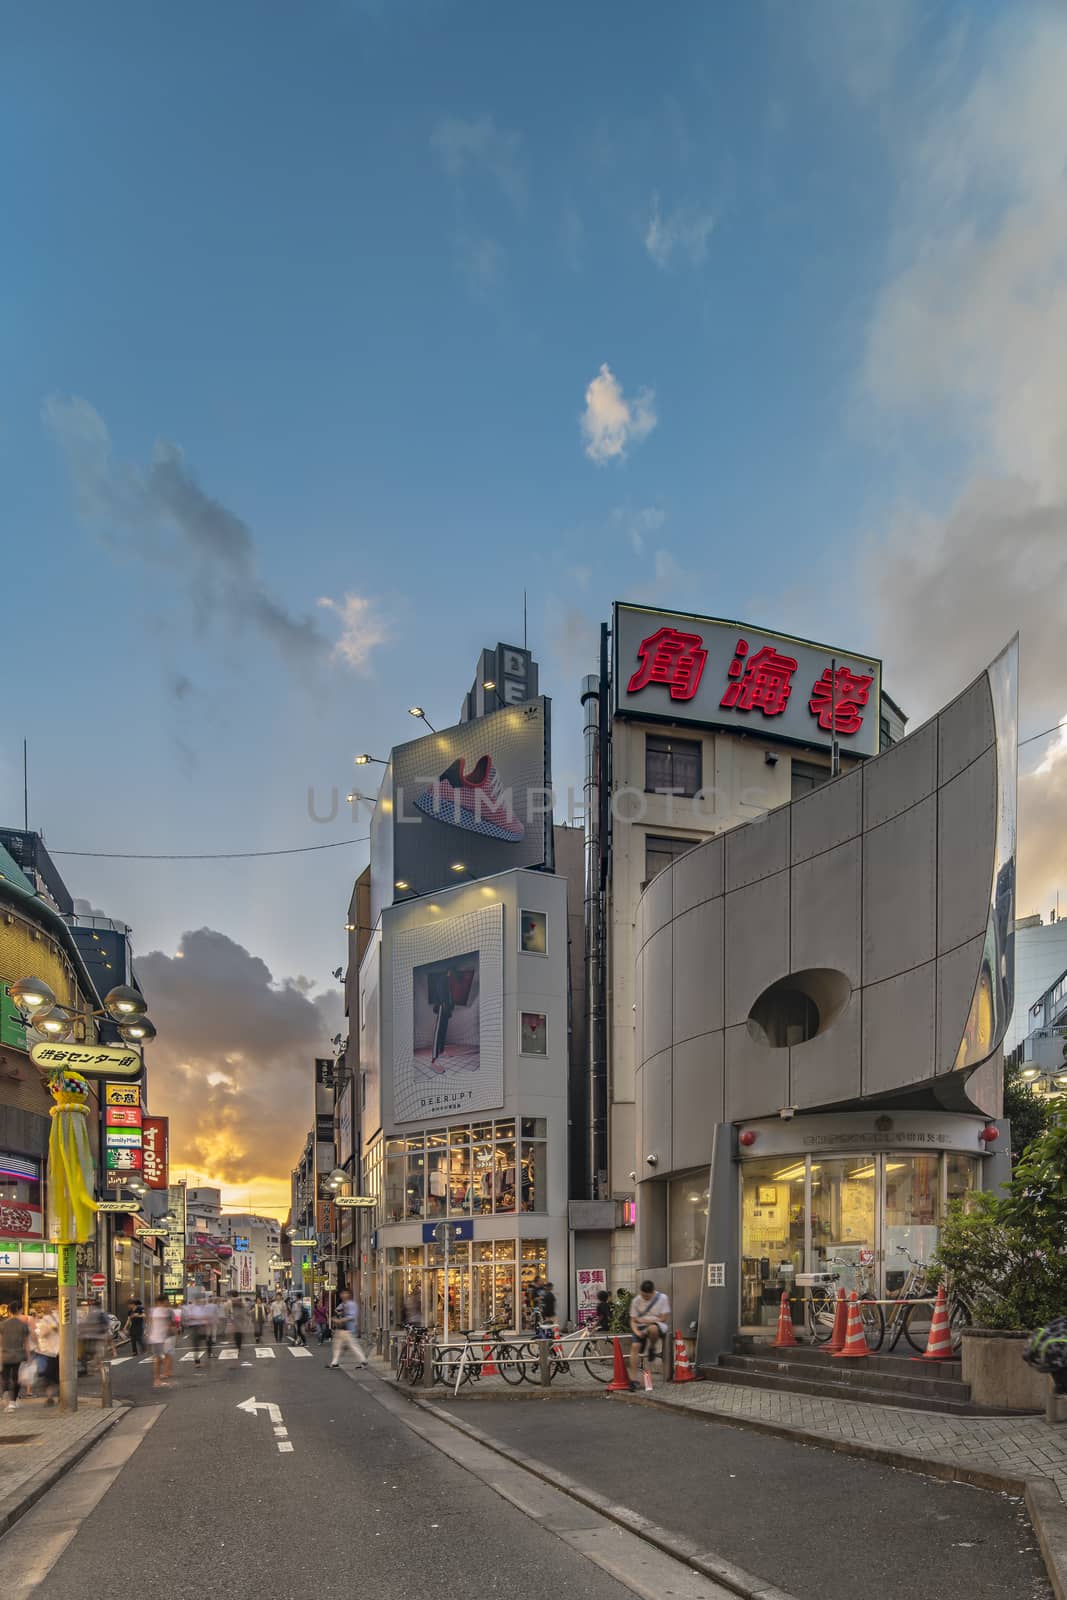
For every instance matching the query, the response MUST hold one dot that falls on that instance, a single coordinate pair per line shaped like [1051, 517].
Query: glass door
[911, 1211]
[844, 1220]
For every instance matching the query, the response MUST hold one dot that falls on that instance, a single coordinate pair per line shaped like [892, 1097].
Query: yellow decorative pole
[71, 1212]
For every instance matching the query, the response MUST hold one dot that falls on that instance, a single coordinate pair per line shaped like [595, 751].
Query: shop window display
[772, 1234]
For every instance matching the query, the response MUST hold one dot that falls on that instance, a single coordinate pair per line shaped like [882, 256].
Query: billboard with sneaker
[448, 1039]
[468, 802]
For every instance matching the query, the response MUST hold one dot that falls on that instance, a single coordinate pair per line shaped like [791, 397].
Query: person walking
[237, 1323]
[277, 1317]
[134, 1326]
[547, 1327]
[14, 1349]
[346, 1331]
[48, 1353]
[320, 1318]
[161, 1339]
[602, 1316]
[300, 1322]
[649, 1320]
[259, 1316]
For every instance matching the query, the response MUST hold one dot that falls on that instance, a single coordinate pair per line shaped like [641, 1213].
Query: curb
[677, 1546]
[1044, 1503]
[16, 1505]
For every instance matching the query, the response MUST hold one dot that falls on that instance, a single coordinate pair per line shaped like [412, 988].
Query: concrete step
[825, 1385]
[915, 1380]
[899, 1365]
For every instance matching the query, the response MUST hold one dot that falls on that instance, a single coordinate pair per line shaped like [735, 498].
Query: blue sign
[240, 1243]
[460, 1230]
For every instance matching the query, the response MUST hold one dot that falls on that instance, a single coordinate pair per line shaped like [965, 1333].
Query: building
[694, 727]
[821, 997]
[1043, 1053]
[256, 1242]
[1040, 957]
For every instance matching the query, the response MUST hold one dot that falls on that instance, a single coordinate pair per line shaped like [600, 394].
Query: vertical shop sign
[155, 1141]
[590, 1282]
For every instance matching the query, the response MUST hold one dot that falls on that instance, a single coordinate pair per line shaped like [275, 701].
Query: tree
[1027, 1111]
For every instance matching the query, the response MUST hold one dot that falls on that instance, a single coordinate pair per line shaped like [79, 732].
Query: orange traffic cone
[855, 1338]
[489, 1366]
[620, 1377]
[939, 1343]
[683, 1372]
[837, 1337]
[786, 1337]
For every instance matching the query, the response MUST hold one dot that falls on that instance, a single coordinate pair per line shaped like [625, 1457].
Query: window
[672, 764]
[661, 850]
[687, 1216]
[885, 733]
[805, 777]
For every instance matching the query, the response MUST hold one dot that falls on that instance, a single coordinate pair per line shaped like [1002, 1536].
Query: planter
[993, 1365]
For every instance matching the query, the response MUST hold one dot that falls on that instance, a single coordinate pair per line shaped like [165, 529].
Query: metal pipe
[594, 949]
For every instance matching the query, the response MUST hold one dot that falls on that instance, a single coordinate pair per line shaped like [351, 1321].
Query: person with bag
[14, 1350]
[650, 1314]
[48, 1353]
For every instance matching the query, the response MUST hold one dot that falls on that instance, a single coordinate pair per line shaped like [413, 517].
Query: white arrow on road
[253, 1405]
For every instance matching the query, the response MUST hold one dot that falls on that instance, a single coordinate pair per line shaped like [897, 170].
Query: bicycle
[411, 1358]
[821, 1307]
[456, 1364]
[913, 1318]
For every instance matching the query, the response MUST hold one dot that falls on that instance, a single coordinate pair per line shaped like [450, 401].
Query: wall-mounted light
[417, 711]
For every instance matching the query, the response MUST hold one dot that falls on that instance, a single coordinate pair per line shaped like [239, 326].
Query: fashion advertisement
[448, 1016]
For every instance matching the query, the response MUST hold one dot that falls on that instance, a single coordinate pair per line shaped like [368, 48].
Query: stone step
[817, 1355]
[854, 1374]
[828, 1388]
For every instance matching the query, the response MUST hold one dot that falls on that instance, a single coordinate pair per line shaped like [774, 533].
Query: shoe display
[473, 800]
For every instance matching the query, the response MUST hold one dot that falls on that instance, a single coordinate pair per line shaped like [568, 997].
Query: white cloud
[610, 422]
[362, 629]
[462, 144]
[683, 234]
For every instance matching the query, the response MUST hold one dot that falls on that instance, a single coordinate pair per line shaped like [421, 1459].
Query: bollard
[543, 1354]
[105, 1385]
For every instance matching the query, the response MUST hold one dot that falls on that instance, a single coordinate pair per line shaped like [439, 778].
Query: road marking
[31, 1549]
[281, 1433]
[227, 1355]
[116, 1361]
[264, 1355]
[284, 1447]
[296, 1352]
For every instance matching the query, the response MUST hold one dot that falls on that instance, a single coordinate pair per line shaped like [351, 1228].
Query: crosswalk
[227, 1353]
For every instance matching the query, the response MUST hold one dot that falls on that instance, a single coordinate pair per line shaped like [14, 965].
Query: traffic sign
[128, 1206]
[365, 1200]
[97, 1280]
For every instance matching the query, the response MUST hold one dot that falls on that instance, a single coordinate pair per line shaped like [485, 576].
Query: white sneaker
[12, 1405]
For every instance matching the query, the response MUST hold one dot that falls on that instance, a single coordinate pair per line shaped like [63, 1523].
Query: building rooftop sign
[672, 667]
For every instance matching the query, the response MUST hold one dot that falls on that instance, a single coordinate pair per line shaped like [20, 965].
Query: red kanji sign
[837, 705]
[763, 683]
[673, 659]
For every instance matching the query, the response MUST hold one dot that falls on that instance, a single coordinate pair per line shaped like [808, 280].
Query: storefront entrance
[861, 1216]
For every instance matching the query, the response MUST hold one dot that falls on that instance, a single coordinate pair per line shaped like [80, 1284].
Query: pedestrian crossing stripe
[227, 1355]
[264, 1355]
[190, 1355]
[297, 1352]
[116, 1361]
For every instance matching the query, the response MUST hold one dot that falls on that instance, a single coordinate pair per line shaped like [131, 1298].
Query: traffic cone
[489, 1366]
[620, 1377]
[837, 1337]
[939, 1343]
[786, 1339]
[683, 1372]
[855, 1338]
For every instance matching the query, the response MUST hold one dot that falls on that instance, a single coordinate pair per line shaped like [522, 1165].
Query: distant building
[1040, 957]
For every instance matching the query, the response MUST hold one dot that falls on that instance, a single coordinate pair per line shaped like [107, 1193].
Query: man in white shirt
[346, 1331]
[650, 1315]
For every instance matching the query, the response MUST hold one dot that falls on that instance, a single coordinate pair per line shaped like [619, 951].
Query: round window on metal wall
[799, 1007]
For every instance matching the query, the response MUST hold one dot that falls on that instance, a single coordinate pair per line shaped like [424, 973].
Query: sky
[326, 334]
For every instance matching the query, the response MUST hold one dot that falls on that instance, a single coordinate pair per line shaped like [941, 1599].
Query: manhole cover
[19, 1438]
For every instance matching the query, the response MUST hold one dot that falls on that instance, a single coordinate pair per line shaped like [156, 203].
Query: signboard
[240, 1242]
[155, 1143]
[477, 793]
[717, 674]
[122, 1094]
[448, 1012]
[12, 1027]
[129, 1206]
[91, 1060]
[174, 1245]
[459, 1231]
[366, 1201]
[590, 1281]
[865, 1132]
[19, 1221]
[122, 1117]
[18, 1256]
[246, 1273]
[123, 1160]
[123, 1138]
[97, 1280]
[343, 1123]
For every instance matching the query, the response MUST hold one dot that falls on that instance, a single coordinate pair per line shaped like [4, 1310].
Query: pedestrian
[346, 1330]
[650, 1313]
[602, 1316]
[237, 1323]
[301, 1317]
[161, 1340]
[259, 1316]
[548, 1312]
[320, 1318]
[14, 1350]
[134, 1326]
[48, 1353]
[95, 1333]
[277, 1317]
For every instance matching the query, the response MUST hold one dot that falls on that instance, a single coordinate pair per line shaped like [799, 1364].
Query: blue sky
[300, 307]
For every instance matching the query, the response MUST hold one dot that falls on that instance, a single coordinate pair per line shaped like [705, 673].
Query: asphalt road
[358, 1506]
[821, 1525]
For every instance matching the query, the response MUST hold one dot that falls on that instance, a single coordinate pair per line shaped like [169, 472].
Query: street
[273, 1469]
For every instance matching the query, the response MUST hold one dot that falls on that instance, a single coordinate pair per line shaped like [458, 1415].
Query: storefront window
[415, 1185]
[483, 1178]
[843, 1219]
[687, 1216]
[912, 1212]
[437, 1182]
[505, 1177]
[772, 1235]
[962, 1177]
[534, 1175]
[534, 1269]
[394, 1188]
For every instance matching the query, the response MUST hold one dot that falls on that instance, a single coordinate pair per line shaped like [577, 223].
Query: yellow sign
[91, 1060]
[122, 1094]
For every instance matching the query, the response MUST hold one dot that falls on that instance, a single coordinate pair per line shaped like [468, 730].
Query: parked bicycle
[821, 1307]
[411, 1357]
[455, 1364]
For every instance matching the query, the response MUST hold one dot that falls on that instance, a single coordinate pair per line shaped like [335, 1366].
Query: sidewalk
[39, 1443]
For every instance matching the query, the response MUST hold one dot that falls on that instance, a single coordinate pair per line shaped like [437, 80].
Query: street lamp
[363, 758]
[417, 711]
[32, 995]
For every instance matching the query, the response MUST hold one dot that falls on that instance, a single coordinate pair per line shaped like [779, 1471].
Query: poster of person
[447, 982]
[445, 995]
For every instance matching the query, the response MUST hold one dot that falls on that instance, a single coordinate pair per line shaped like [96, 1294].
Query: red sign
[123, 1116]
[97, 1280]
[837, 704]
[155, 1144]
[18, 1221]
[762, 683]
[672, 658]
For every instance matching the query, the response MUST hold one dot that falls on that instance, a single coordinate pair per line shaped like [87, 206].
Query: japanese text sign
[91, 1060]
[728, 675]
[155, 1140]
[123, 1116]
[122, 1094]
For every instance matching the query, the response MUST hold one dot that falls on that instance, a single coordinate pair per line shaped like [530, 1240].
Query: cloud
[476, 144]
[684, 234]
[480, 259]
[610, 422]
[161, 516]
[362, 629]
[232, 1063]
[638, 525]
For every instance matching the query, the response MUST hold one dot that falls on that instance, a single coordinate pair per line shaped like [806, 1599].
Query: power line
[218, 855]
[1043, 735]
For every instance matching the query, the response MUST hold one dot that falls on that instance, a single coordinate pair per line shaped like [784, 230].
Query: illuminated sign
[155, 1142]
[124, 1116]
[123, 1160]
[91, 1060]
[122, 1094]
[725, 674]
